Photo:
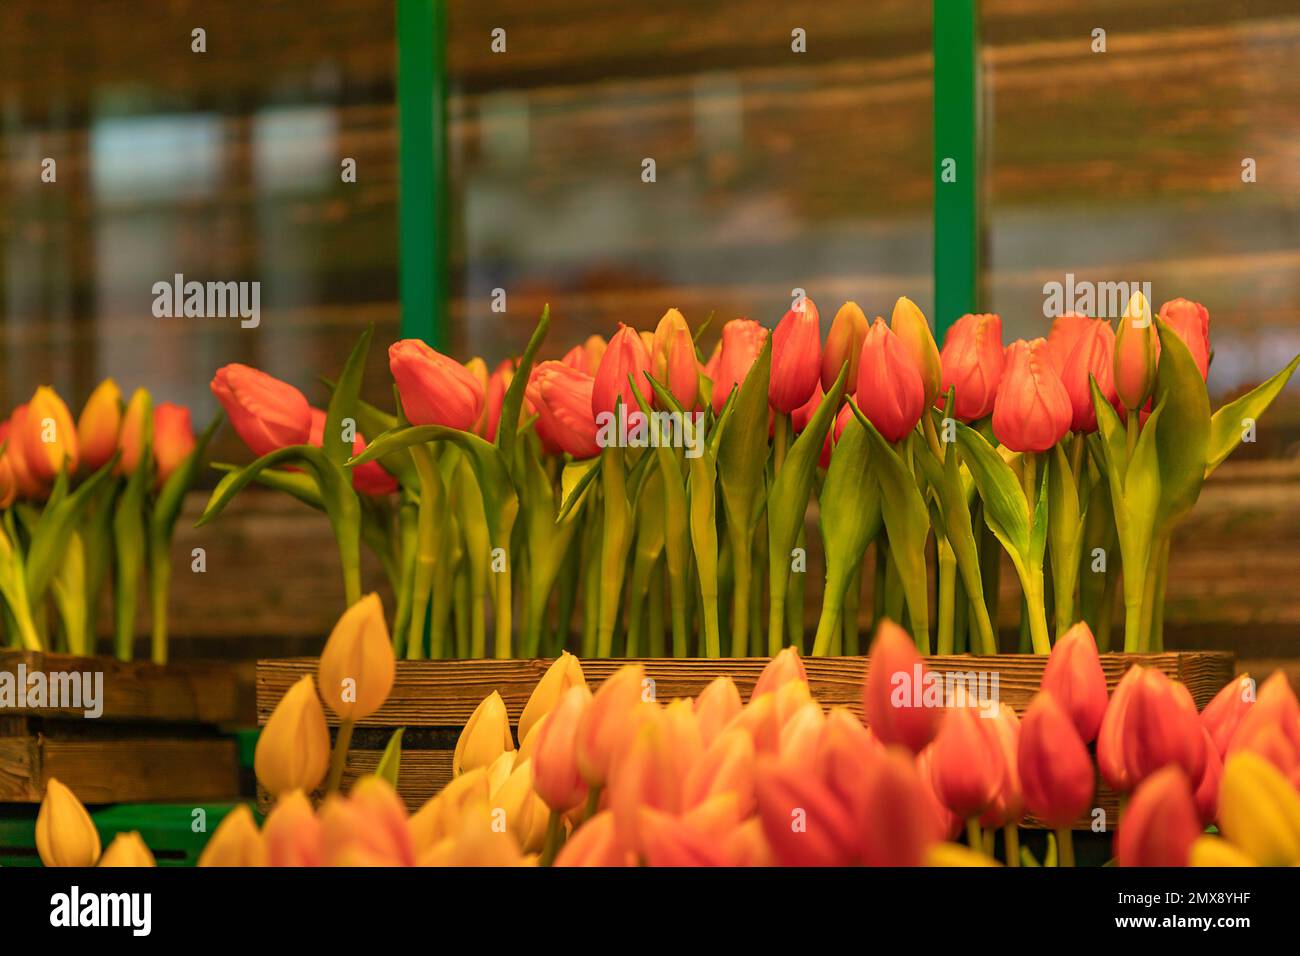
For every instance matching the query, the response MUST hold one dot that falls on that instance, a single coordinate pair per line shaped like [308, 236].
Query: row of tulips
[635, 476]
[618, 778]
[86, 504]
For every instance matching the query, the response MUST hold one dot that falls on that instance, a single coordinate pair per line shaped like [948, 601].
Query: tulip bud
[667, 840]
[565, 422]
[435, 389]
[525, 813]
[137, 427]
[1207, 793]
[891, 392]
[972, 361]
[366, 828]
[844, 344]
[892, 699]
[1093, 357]
[1110, 736]
[235, 842]
[586, 357]
[1032, 411]
[1215, 851]
[787, 666]
[716, 706]
[801, 737]
[1223, 714]
[1271, 727]
[804, 823]
[742, 341]
[649, 773]
[50, 438]
[1161, 727]
[486, 736]
[440, 817]
[357, 667]
[293, 834]
[97, 429]
[595, 843]
[727, 766]
[1190, 321]
[65, 834]
[1008, 802]
[1259, 810]
[673, 362]
[555, 756]
[1065, 333]
[898, 821]
[564, 672]
[908, 322]
[173, 438]
[796, 357]
[266, 413]
[27, 484]
[293, 749]
[844, 754]
[1137, 348]
[625, 358]
[1160, 823]
[609, 724]
[966, 767]
[127, 850]
[946, 824]
[497, 386]
[1073, 676]
[1055, 772]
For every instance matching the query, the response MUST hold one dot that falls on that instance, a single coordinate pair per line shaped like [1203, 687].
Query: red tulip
[1032, 411]
[893, 698]
[173, 438]
[1223, 714]
[787, 666]
[908, 322]
[625, 358]
[1161, 727]
[1073, 675]
[1064, 335]
[1271, 728]
[498, 383]
[555, 762]
[1093, 357]
[890, 391]
[1008, 803]
[897, 821]
[673, 362]
[966, 762]
[26, 484]
[1207, 793]
[948, 825]
[803, 821]
[266, 413]
[742, 340]
[435, 389]
[1110, 737]
[562, 397]
[369, 479]
[844, 344]
[1137, 349]
[1191, 322]
[972, 361]
[796, 357]
[1160, 823]
[1055, 771]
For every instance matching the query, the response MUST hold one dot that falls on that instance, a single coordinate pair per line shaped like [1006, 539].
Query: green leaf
[575, 479]
[54, 529]
[1110, 436]
[298, 484]
[236, 481]
[1065, 533]
[343, 403]
[1226, 425]
[167, 507]
[743, 448]
[391, 761]
[1006, 511]
[507, 426]
[1182, 441]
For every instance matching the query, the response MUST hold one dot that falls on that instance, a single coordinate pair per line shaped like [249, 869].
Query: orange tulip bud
[1271, 728]
[742, 341]
[891, 392]
[1160, 823]
[673, 362]
[50, 437]
[898, 819]
[100, 421]
[625, 358]
[555, 758]
[595, 843]
[1093, 357]
[8, 480]
[1207, 793]
[1032, 411]
[801, 737]
[435, 389]
[1137, 349]
[1008, 803]
[805, 824]
[844, 754]
[1064, 335]
[908, 322]
[667, 840]
[562, 397]
[844, 344]
[368, 827]
[947, 824]
[1161, 727]
[1190, 321]
[1110, 736]
[727, 766]
[292, 833]
[608, 726]
[1056, 774]
[649, 773]
[235, 842]
[1073, 675]
[127, 850]
[716, 706]
[293, 749]
[972, 361]
[173, 438]
[796, 357]
[1223, 714]
[266, 413]
[893, 699]
[497, 386]
[357, 666]
[787, 666]
[966, 767]
[28, 486]
[586, 357]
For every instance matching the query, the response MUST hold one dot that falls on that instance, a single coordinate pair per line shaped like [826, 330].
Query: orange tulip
[1161, 727]
[1190, 321]
[1137, 349]
[1207, 793]
[1032, 411]
[609, 724]
[898, 821]
[1056, 774]
[948, 824]
[625, 358]
[801, 736]
[50, 437]
[562, 397]
[805, 824]
[292, 833]
[1073, 675]
[498, 383]
[1093, 357]
[672, 360]
[727, 766]
[845, 752]
[1271, 728]
[8, 480]
[650, 773]
[1223, 714]
[892, 698]
[971, 362]
[1008, 802]
[891, 392]
[908, 322]
[1110, 736]
[742, 340]
[266, 413]
[368, 827]
[26, 483]
[595, 843]
[796, 357]
[173, 438]
[555, 760]
[716, 706]
[967, 759]
[844, 344]
[435, 389]
[787, 666]
[586, 357]
[100, 421]
[1064, 335]
[1160, 823]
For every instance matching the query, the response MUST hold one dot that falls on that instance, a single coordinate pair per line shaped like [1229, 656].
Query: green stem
[1011, 844]
[340, 756]
[947, 596]
[655, 624]
[504, 604]
[742, 580]
[973, 834]
[554, 838]
[160, 576]
[614, 545]
[1065, 846]
[850, 640]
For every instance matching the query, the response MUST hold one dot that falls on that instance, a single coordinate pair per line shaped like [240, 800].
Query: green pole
[956, 161]
[422, 161]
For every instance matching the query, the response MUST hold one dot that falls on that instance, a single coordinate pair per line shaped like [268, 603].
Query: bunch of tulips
[618, 778]
[636, 477]
[88, 502]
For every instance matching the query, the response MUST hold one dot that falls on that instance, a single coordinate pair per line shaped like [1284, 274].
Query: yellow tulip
[357, 666]
[486, 736]
[954, 854]
[65, 834]
[293, 751]
[235, 842]
[293, 834]
[1259, 810]
[1213, 851]
[127, 849]
[525, 813]
[476, 840]
[564, 672]
[99, 424]
[909, 324]
[438, 818]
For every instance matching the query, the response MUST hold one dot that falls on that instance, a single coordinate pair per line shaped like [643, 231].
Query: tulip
[235, 842]
[805, 824]
[650, 773]
[892, 699]
[525, 813]
[50, 438]
[1136, 350]
[845, 752]
[26, 483]
[1215, 851]
[1056, 774]
[891, 392]
[1207, 793]
[1008, 802]
[127, 850]
[972, 361]
[357, 666]
[595, 843]
[966, 767]
[435, 389]
[1064, 335]
[65, 834]
[440, 817]
[476, 841]
[368, 827]
[136, 424]
[266, 413]
[1093, 357]
[716, 706]
[555, 759]
[562, 396]
[370, 478]
[787, 666]
[1161, 727]
[486, 736]
[609, 724]
[293, 748]
[672, 841]
[1276, 716]
[954, 854]
[1032, 411]
[947, 823]
[100, 421]
[497, 386]
[908, 322]
[478, 368]
[726, 766]
[626, 358]
[672, 359]
[844, 344]
[801, 736]
[8, 480]
[586, 357]
[897, 820]
[746, 845]
[1190, 321]
[1259, 810]
[564, 672]
[1160, 823]
[1223, 714]
[1073, 675]
[1110, 736]
[796, 357]
[293, 834]
[173, 438]
[742, 340]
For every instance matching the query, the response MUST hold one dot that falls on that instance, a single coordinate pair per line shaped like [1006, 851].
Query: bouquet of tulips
[84, 502]
[636, 477]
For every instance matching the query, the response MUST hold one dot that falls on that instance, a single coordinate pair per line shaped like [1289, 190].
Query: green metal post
[956, 161]
[422, 160]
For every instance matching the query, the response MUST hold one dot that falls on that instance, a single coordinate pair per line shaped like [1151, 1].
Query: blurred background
[774, 170]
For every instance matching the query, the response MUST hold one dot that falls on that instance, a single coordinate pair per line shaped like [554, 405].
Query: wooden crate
[434, 699]
[159, 736]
